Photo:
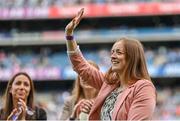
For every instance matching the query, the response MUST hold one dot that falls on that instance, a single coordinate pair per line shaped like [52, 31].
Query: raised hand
[72, 25]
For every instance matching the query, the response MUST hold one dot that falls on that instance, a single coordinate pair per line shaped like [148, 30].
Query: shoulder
[67, 108]
[143, 82]
[69, 101]
[41, 113]
[143, 85]
[40, 109]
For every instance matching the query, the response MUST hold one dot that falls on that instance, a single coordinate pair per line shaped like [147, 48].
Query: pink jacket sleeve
[87, 72]
[143, 103]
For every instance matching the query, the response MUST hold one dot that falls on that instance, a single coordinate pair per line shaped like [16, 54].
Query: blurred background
[32, 40]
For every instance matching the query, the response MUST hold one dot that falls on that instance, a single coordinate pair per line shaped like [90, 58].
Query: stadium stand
[34, 42]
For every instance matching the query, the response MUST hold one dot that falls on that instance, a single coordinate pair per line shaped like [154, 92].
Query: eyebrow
[117, 50]
[21, 81]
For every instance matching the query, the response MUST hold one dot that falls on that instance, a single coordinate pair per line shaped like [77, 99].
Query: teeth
[115, 62]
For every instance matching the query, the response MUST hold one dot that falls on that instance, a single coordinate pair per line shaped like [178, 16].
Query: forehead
[118, 45]
[22, 78]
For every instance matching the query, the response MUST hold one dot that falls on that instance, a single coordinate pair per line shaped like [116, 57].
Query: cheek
[13, 92]
[13, 89]
[123, 59]
[28, 90]
[124, 62]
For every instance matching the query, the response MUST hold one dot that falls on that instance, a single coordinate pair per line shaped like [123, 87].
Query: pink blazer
[136, 102]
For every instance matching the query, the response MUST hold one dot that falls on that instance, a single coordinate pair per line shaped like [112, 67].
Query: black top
[40, 114]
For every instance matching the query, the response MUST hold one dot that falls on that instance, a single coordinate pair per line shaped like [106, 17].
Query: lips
[114, 62]
[21, 93]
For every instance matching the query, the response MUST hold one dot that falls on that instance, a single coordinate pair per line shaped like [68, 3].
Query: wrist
[69, 33]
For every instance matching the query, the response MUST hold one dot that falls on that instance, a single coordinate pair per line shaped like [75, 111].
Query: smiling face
[118, 57]
[20, 87]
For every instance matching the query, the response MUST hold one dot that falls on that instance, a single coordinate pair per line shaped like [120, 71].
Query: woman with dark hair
[126, 90]
[19, 100]
[82, 95]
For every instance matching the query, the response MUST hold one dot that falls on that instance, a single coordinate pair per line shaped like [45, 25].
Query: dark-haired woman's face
[20, 87]
[118, 57]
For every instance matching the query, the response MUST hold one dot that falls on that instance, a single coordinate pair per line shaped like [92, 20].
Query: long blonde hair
[77, 92]
[135, 68]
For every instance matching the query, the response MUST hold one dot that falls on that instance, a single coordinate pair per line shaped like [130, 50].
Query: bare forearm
[71, 45]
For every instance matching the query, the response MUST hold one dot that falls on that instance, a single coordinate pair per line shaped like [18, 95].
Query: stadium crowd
[48, 3]
[162, 61]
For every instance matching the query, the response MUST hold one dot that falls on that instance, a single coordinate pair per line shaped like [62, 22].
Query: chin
[115, 69]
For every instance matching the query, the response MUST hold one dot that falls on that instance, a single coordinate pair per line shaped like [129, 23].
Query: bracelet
[69, 37]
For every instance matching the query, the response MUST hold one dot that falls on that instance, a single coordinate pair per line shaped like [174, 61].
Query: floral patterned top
[108, 106]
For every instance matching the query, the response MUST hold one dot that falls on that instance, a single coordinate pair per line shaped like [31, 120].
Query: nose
[21, 86]
[113, 55]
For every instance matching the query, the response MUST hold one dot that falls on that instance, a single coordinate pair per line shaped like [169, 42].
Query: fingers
[76, 109]
[77, 106]
[70, 27]
[75, 21]
[85, 109]
[22, 106]
[88, 103]
[86, 106]
[22, 103]
[80, 14]
[78, 17]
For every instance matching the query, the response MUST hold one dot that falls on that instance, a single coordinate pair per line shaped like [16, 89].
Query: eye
[119, 52]
[26, 84]
[18, 83]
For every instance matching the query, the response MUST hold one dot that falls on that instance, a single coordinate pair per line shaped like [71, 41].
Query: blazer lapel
[120, 100]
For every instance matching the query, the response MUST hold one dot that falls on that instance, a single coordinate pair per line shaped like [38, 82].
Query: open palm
[72, 25]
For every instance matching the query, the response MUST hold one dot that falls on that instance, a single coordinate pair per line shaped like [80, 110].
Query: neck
[89, 93]
[122, 83]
